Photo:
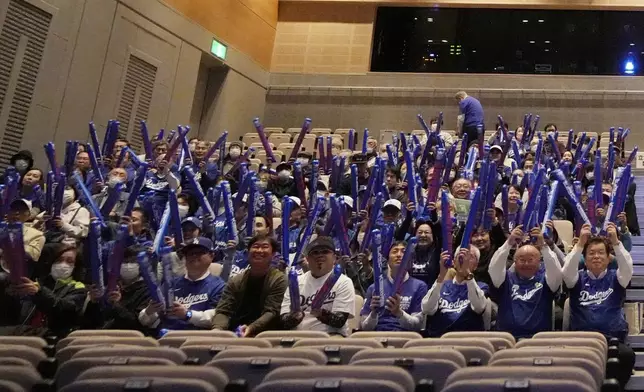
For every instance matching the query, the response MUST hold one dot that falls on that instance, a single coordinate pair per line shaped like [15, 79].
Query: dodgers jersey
[200, 295]
[525, 305]
[412, 293]
[596, 305]
[454, 310]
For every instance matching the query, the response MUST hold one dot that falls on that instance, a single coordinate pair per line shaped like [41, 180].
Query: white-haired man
[457, 304]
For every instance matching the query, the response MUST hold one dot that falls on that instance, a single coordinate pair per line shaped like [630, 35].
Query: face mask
[129, 271]
[21, 165]
[519, 179]
[590, 176]
[68, 197]
[61, 271]
[434, 127]
[113, 181]
[284, 174]
[303, 161]
[193, 147]
[235, 152]
[527, 171]
[321, 193]
[261, 185]
[183, 211]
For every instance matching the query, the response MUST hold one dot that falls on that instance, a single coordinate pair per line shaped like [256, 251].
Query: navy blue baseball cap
[192, 219]
[201, 242]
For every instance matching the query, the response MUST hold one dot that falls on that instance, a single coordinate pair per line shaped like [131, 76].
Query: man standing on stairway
[470, 117]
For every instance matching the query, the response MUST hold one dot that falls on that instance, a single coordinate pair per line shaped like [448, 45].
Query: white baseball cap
[348, 200]
[296, 200]
[393, 202]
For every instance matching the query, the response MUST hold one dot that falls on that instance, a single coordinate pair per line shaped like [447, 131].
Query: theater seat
[499, 342]
[557, 352]
[211, 375]
[24, 376]
[429, 353]
[63, 343]
[474, 350]
[596, 371]
[573, 334]
[562, 373]
[590, 343]
[68, 371]
[504, 384]
[482, 334]
[436, 370]
[123, 333]
[299, 353]
[201, 333]
[33, 355]
[330, 384]
[29, 341]
[253, 370]
[388, 339]
[68, 352]
[172, 354]
[288, 338]
[380, 373]
[10, 386]
[141, 384]
[14, 361]
[339, 351]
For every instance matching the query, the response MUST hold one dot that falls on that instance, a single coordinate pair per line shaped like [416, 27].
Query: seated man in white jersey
[402, 310]
[456, 304]
[338, 306]
[597, 293]
[525, 292]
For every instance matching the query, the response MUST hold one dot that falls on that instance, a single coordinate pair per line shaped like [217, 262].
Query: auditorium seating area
[205, 361]
[282, 141]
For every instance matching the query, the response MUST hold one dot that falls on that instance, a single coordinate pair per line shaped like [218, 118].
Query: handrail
[451, 90]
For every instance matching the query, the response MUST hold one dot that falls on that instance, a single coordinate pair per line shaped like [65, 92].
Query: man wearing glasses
[338, 306]
[251, 300]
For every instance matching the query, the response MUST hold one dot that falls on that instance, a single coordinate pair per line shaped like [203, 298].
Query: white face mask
[61, 271]
[235, 152]
[321, 193]
[129, 271]
[590, 176]
[519, 179]
[183, 211]
[284, 174]
[113, 181]
[434, 127]
[303, 161]
[261, 185]
[68, 197]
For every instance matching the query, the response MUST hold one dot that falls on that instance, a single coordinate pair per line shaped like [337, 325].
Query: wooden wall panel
[247, 25]
[323, 38]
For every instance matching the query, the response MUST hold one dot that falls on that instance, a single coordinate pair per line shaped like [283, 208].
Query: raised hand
[584, 235]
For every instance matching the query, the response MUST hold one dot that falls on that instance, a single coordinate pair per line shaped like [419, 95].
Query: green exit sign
[218, 49]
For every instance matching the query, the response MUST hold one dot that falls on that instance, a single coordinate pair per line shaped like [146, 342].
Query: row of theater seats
[300, 361]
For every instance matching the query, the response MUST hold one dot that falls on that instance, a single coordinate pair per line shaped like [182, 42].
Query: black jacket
[123, 315]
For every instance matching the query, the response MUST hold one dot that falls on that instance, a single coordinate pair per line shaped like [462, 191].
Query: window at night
[469, 40]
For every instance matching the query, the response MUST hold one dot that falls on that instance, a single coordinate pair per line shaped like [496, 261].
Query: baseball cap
[20, 204]
[192, 219]
[236, 144]
[347, 200]
[496, 147]
[321, 242]
[393, 203]
[202, 242]
[284, 166]
[296, 200]
[359, 158]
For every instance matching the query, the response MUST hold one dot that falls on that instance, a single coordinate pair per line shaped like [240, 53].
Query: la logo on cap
[195, 240]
